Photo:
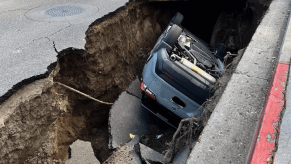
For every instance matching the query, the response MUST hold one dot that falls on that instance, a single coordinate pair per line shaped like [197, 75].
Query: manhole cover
[63, 11]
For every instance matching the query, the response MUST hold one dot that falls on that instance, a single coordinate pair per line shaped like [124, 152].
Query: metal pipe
[195, 60]
[198, 70]
[189, 53]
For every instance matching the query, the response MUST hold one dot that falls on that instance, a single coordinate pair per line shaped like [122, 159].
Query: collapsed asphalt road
[40, 121]
[127, 116]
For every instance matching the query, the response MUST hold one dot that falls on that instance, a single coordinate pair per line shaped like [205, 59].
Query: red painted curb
[264, 138]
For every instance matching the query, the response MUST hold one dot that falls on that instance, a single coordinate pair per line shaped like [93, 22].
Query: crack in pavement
[55, 47]
[132, 94]
[240, 73]
[42, 38]
[61, 29]
[12, 10]
[30, 43]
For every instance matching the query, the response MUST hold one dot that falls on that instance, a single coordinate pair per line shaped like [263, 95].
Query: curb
[268, 128]
[265, 141]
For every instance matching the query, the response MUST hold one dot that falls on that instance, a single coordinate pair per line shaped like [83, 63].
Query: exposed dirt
[26, 117]
[103, 71]
[236, 28]
[40, 121]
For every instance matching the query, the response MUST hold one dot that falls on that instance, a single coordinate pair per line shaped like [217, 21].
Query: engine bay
[189, 49]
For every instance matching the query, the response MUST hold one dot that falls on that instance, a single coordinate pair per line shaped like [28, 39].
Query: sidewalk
[283, 154]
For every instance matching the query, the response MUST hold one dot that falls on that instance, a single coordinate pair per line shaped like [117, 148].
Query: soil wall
[235, 29]
[43, 118]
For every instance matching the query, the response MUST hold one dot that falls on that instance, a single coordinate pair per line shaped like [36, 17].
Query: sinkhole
[43, 118]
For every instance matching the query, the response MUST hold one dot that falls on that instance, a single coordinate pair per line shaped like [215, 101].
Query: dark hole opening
[178, 101]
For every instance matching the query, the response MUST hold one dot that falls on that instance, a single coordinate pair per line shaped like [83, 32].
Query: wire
[72, 89]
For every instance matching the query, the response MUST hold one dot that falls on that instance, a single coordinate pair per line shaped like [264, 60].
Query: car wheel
[173, 35]
[177, 19]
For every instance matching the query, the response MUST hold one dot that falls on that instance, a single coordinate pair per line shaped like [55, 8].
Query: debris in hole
[150, 155]
[159, 136]
[127, 119]
[131, 136]
[158, 127]
[82, 152]
[127, 153]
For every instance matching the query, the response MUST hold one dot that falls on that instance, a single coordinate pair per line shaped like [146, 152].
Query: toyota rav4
[179, 74]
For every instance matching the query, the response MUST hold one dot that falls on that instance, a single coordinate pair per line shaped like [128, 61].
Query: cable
[72, 89]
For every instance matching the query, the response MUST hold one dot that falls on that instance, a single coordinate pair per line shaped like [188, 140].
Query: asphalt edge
[32, 79]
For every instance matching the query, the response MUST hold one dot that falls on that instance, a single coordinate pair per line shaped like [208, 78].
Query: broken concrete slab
[127, 116]
[134, 88]
[128, 153]
[82, 152]
[182, 156]
[150, 154]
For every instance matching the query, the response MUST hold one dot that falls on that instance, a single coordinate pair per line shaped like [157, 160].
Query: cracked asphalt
[128, 116]
[28, 46]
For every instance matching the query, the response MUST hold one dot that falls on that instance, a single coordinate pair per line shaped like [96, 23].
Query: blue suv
[179, 74]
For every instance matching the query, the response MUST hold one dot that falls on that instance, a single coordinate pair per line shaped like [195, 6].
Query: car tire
[173, 34]
[177, 19]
